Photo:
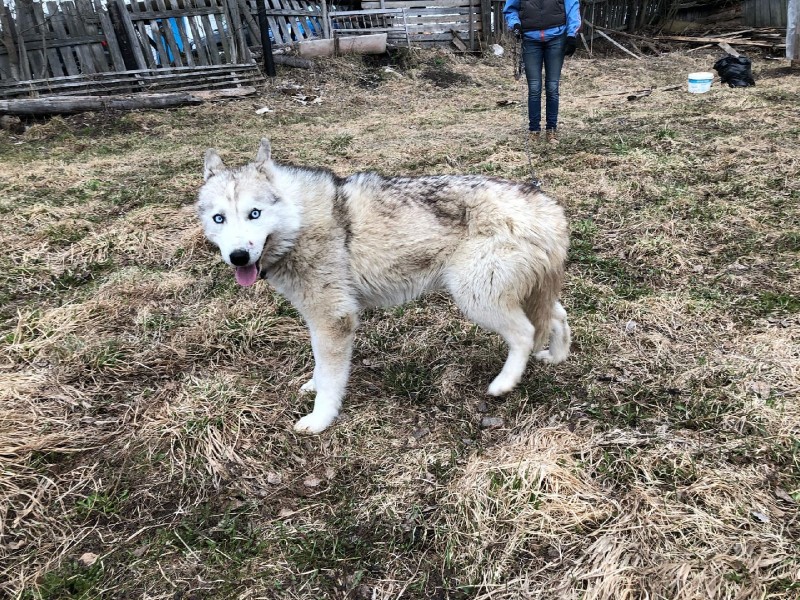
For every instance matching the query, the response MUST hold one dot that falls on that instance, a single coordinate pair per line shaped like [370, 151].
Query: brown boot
[534, 137]
[552, 137]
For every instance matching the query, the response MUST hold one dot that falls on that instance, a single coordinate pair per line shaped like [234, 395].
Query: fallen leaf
[785, 496]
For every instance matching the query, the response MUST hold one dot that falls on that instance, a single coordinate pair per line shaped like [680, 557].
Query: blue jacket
[572, 8]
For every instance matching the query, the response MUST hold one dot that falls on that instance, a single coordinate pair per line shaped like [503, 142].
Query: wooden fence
[765, 13]
[432, 22]
[80, 47]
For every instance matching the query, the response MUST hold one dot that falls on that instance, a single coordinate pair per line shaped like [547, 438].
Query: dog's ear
[263, 160]
[213, 164]
[264, 151]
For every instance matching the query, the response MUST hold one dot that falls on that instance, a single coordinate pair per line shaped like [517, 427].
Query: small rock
[482, 407]
[274, 478]
[392, 72]
[263, 110]
[330, 473]
[420, 433]
[87, 559]
[285, 513]
[312, 481]
[491, 422]
[760, 517]
[630, 327]
[498, 50]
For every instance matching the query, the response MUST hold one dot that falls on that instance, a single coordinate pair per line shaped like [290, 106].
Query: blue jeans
[536, 53]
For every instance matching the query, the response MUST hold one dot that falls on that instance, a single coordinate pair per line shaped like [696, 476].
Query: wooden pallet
[126, 82]
[432, 22]
[391, 21]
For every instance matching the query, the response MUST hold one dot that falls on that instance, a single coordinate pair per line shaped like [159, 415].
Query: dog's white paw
[545, 357]
[500, 386]
[308, 387]
[314, 423]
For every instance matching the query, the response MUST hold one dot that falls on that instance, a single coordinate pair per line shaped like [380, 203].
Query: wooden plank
[209, 41]
[108, 81]
[166, 26]
[75, 27]
[278, 23]
[230, 32]
[26, 23]
[187, 81]
[8, 39]
[155, 27]
[113, 76]
[143, 35]
[297, 22]
[200, 52]
[110, 36]
[410, 6]
[133, 40]
[53, 58]
[618, 45]
[87, 15]
[149, 15]
[185, 39]
[255, 30]
[57, 22]
[239, 27]
[225, 33]
[442, 19]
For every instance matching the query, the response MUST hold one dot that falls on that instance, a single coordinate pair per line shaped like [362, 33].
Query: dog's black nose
[240, 258]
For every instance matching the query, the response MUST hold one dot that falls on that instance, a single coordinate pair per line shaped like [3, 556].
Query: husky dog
[334, 246]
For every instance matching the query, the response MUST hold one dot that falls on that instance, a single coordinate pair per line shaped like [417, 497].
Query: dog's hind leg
[560, 337]
[332, 342]
[515, 328]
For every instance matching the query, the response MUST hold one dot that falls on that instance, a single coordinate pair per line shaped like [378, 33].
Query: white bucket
[700, 83]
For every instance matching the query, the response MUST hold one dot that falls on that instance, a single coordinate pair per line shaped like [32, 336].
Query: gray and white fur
[334, 246]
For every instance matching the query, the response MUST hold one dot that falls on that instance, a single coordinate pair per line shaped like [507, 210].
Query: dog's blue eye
[218, 219]
[255, 213]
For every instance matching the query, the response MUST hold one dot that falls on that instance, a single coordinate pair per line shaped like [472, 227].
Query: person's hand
[570, 45]
[517, 29]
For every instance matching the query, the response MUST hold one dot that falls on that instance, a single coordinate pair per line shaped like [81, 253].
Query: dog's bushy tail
[549, 319]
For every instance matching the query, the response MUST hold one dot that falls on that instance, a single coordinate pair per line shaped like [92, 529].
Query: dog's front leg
[332, 343]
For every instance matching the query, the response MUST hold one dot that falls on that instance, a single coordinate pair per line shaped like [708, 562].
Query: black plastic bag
[735, 71]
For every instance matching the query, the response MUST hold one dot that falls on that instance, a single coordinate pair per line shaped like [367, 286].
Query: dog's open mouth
[247, 276]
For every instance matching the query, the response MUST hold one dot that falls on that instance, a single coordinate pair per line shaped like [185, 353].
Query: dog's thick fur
[334, 246]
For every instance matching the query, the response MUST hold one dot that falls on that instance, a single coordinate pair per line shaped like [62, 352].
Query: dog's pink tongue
[246, 276]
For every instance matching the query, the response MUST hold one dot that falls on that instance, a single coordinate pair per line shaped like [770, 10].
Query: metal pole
[266, 44]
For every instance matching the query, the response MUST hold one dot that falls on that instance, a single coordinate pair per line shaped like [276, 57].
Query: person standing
[547, 29]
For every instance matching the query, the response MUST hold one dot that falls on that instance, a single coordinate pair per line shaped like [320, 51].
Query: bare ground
[146, 448]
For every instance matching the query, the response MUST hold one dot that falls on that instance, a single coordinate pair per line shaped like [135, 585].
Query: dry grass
[147, 401]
